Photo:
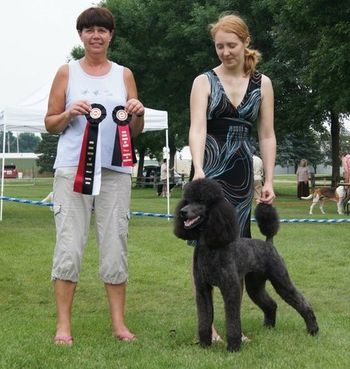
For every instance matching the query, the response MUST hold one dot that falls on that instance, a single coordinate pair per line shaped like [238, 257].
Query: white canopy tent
[28, 116]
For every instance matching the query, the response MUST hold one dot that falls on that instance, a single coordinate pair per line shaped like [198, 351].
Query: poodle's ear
[179, 229]
[221, 227]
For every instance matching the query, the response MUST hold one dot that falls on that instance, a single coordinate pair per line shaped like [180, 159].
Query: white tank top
[108, 90]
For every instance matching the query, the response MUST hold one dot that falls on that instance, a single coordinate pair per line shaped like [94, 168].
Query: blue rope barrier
[157, 215]
[24, 201]
[160, 215]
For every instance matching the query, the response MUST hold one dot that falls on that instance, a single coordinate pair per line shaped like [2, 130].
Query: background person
[258, 168]
[225, 103]
[303, 175]
[162, 187]
[163, 178]
[345, 161]
[77, 85]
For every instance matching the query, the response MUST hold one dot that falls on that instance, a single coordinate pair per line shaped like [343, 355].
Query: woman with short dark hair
[93, 105]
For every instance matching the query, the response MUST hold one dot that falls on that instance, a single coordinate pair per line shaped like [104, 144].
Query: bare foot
[124, 335]
[63, 340]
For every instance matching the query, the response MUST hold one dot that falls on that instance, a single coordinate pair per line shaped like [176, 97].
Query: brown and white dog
[321, 194]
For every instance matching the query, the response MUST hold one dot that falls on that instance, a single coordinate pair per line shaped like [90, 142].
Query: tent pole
[167, 172]
[3, 168]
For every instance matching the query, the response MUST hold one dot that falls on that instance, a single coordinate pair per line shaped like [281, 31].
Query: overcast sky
[36, 37]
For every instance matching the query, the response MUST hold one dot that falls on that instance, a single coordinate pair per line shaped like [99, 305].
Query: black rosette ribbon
[123, 152]
[85, 177]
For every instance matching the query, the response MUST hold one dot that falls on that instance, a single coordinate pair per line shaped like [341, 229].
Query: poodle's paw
[312, 327]
[234, 347]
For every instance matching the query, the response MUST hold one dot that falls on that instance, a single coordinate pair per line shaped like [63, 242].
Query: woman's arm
[267, 139]
[198, 129]
[133, 105]
[57, 117]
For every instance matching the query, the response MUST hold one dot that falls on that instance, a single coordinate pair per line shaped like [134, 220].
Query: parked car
[151, 174]
[151, 171]
[10, 171]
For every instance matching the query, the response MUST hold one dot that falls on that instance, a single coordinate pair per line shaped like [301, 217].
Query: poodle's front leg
[231, 293]
[205, 311]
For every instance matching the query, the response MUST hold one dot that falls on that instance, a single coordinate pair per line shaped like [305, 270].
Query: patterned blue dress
[228, 154]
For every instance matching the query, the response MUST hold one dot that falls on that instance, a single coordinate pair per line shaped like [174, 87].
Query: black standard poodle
[223, 259]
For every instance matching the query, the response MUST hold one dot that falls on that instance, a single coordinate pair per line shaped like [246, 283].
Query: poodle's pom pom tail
[268, 220]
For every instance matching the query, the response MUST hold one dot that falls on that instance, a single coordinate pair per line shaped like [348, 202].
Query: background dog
[321, 194]
[223, 259]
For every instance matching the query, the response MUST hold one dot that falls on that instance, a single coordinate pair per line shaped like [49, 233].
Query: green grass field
[160, 303]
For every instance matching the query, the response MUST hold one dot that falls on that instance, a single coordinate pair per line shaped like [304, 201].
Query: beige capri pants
[72, 213]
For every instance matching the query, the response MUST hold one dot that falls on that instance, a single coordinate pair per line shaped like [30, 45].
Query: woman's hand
[267, 194]
[198, 174]
[80, 107]
[134, 106]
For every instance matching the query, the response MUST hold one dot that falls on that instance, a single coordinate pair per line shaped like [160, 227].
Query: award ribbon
[123, 152]
[88, 177]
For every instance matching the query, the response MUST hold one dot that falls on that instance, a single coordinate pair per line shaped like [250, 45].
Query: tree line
[304, 45]
[22, 142]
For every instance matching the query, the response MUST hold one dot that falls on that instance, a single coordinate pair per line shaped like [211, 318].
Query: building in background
[26, 163]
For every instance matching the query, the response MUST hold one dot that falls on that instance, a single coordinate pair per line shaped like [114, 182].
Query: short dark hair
[95, 16]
